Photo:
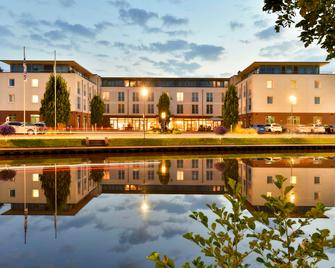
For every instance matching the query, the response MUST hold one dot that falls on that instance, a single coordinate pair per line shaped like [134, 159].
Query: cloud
[137, 16]
[55, 35]
[267, 33]
[5, 32]
[121, 4]
[76, 29]
[169, 20]
[205, 52]
[260, 23]
[104, 43]
[279, 49]
[235, 25]
[170, 232]
[245, 41]
[137, 236]
[67, 3]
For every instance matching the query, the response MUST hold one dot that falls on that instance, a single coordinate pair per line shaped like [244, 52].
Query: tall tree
[63, 107]
[97, 107]
[317, 20]
[164, 107]
[230, 108]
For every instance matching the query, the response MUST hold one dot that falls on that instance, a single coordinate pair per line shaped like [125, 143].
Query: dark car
[330, 129]
[259, 128]
[41, 127]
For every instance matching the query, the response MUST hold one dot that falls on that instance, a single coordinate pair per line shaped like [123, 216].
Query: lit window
[11, 98]
[105, 96]
[293, 84]
[36, 193]
[180, 175]
[269, 194]
[293, 180]
[180, 96]
[269, 84]
[36, 177]
[34, 82]
[34, 99]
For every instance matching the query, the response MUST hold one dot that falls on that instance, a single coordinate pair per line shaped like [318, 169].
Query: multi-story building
[286, 93]
[194, 102]
[81, 84]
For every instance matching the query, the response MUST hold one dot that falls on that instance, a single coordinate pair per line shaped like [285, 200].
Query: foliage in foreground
[97, 107]
[271, 239]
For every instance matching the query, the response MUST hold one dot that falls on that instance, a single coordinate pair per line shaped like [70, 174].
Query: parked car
[318, 128]
[41, 127]
[21, 128]
[330, 129]
[259, 128]
[303, 129]
[274, 128]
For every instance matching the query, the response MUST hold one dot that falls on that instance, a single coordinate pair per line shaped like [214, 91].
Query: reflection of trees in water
[63, 186]
[164, 171]
[7, 174]
[96, 174]
[229, 169]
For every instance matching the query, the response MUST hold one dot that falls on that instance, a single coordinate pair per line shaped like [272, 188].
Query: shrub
[239, 130]
[220, 130]
[6, 130]
[7, 174]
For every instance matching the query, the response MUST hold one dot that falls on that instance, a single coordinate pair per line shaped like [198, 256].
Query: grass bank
[32, 143]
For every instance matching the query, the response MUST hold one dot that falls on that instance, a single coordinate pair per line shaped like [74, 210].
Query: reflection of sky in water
[111, 230]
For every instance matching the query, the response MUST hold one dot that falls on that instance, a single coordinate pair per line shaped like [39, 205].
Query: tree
[97, 110]
[164, 107]
[230, 108]
[6, 130]
[63, 106]
[317, 21]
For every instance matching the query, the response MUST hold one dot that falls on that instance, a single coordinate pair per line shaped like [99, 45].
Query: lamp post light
[163, 117]
[293, 101]
[144, 93]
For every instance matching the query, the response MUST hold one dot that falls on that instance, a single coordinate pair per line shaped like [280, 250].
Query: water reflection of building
[313, 179]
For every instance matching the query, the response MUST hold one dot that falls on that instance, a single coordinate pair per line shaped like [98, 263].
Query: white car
[316, 128]
[20, 128]
[275, 128]
[303, 129]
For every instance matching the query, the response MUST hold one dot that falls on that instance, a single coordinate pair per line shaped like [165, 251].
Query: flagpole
[55, 84]
[24, 87]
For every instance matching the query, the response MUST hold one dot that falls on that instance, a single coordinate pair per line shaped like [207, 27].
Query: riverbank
[124, 145]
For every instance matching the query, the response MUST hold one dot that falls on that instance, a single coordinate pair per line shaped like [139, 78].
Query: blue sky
[150, 37]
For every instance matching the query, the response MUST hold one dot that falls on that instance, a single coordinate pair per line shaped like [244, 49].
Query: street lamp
[163, 116]
[144, 93]
[293, 101]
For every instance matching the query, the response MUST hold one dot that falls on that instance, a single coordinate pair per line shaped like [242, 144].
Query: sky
[175, 38]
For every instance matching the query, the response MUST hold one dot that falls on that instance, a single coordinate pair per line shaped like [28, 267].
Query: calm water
[101, 211]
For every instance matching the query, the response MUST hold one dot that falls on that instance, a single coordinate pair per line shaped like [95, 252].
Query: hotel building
[264, 90]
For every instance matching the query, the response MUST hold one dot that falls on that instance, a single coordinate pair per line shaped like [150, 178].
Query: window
[195, 163]
[209, 97]
[293, 84]
[316, 180]
[195, 108]
[180, 109]
[293, 120]
[11, 82]
[269, 100]
[107, 108]
[195, 96]
[180, 175]
[151, 175]
[317, 84]
[136, 108]
[269, 119]
[11, 98]
[78, 87]
[180, 163]
[269, 179]
[268, 194]
[34, 99]
[222, 97]
[316, 196]
[120, 96]
[269, 84]
[209, 109]
[12, 193]
[151, 108]
[294, 180]
[180, 96]
[136, 174]
[317, 100]
[317, 120]
[209, 163]
[225, 84]
[105, 96]
[78, 102]
[136, 96]
[34, 118]
[120, 108]
[36, 177]
[34, 82]
[36, 193]
[121, 174]
[151, 96]
[195, 175]
[209, 175]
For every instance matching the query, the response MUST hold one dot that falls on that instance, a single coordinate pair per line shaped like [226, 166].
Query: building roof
[71, 63]
[161, 78]
[256, 64]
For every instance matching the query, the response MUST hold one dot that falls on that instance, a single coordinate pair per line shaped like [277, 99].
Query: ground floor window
[269, 119]
[293, 120]
[317, 120]
[78, 121]
[132, 123]
[11, 117]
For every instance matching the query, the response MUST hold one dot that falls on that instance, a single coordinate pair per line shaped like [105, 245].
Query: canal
[113, 211]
